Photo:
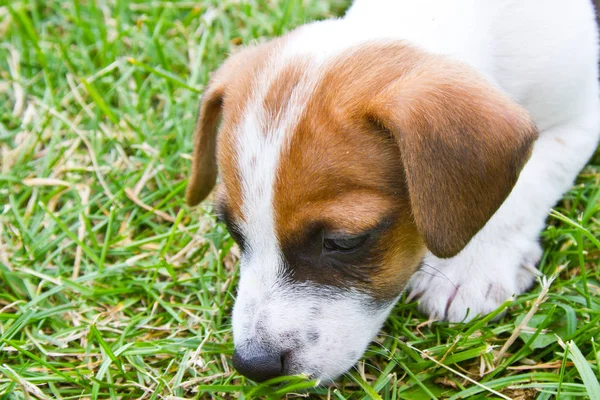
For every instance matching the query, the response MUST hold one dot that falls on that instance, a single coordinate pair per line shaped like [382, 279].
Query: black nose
[258, 364]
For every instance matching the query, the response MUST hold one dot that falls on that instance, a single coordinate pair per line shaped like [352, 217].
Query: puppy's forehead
[258, 123]
[272, 84]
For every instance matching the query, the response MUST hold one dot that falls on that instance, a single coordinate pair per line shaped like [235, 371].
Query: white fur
[543, 54]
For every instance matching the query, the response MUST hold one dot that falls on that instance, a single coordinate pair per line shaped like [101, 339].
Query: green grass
[110, 287]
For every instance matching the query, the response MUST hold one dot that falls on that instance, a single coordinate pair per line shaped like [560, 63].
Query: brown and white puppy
[351, 150]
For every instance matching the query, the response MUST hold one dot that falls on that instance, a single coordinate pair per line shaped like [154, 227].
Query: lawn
[111, 287]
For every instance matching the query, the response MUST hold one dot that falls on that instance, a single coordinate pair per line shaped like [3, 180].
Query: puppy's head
[338, 172]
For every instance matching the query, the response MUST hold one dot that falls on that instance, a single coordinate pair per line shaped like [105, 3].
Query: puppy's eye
[236, 235]
[232, 228]
[344, 244]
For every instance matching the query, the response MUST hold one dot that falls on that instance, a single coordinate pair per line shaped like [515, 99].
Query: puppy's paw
[460, 288]
[457, 297]
[528, 267]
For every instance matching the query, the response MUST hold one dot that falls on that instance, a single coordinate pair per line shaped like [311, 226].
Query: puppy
[413, 144]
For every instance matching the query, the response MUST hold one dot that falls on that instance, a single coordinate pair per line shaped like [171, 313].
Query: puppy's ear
[204, 162]
[203, 175]
[463, 144]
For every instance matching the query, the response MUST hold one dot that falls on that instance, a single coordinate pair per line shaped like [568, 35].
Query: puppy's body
[354, 150]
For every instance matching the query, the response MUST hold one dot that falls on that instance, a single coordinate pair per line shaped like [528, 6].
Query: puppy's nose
[258, 364]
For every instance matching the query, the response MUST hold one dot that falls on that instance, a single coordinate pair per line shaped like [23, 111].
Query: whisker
[456, 287]
[428, 273]
[424, 264]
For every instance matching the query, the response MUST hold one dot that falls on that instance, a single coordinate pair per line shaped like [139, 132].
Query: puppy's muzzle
[259, 363]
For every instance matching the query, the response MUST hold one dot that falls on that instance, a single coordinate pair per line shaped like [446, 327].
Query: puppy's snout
[259, 363]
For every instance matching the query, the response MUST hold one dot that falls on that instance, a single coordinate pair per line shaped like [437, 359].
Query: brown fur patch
[415, 136]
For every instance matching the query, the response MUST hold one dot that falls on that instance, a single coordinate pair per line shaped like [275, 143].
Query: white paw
[475, 282]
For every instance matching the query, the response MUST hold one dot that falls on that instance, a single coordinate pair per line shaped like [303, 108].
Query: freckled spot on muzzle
[313, 335]
[291, 340]
[316, 311]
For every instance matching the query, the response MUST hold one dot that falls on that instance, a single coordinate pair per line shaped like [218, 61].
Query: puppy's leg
[500, 260]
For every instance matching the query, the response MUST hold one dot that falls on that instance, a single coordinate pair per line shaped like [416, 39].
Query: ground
[111, 287]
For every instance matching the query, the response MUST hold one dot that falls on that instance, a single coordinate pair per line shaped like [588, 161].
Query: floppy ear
[203, 175]
[463, 144]
[204, 160]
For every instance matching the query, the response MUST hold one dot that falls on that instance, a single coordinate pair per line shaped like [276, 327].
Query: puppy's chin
[317, 331]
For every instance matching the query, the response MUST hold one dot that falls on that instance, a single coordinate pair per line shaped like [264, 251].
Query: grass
[110, 287]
